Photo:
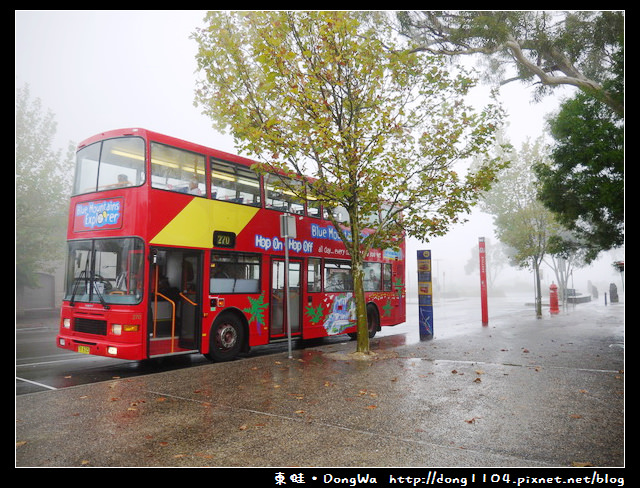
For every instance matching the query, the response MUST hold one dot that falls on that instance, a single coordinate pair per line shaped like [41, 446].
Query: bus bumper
[104, 348]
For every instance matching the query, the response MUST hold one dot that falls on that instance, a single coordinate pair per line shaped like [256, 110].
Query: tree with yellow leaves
[376, 129]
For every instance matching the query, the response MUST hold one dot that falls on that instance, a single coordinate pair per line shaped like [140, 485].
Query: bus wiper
[93, 288]
[77, 280]
[105, 305]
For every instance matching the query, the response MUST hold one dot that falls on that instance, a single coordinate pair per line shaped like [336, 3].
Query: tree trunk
[536, 272]
[357, 270]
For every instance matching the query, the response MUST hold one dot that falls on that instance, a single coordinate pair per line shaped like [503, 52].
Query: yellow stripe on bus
[194, 225]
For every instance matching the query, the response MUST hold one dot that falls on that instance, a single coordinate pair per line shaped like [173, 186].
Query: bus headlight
[66, 323]
[112, 350]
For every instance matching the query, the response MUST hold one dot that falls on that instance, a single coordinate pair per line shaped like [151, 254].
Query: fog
[101, 70]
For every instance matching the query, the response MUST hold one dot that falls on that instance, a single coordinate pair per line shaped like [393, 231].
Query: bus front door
[279, 317]
[175, 304]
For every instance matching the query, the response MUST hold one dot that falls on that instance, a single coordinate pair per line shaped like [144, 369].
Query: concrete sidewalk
[520, 392]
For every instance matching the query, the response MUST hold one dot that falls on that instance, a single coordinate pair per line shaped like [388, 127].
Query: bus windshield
[106, 271]
[110, 164]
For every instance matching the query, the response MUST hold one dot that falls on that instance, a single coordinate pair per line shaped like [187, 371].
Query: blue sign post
[425, 296]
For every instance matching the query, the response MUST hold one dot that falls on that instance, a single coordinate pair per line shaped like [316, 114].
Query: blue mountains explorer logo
[98, 214]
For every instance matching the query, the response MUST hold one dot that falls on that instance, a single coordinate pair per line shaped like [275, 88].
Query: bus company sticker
[101, 214]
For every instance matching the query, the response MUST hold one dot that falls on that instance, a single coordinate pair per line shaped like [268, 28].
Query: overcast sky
[102, 70]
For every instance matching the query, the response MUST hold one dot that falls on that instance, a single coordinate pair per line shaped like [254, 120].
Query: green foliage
[42, 191]
[584, 181]
[327, 95]
[548, 48]
[322, 94]
[522, 222]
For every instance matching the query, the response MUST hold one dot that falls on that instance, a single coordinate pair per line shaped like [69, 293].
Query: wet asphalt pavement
[521, 392]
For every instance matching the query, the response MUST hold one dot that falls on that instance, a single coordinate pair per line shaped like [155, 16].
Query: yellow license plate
[84, 349]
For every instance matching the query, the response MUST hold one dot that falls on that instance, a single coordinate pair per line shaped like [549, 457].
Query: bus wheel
[373, 322]
[226, 338]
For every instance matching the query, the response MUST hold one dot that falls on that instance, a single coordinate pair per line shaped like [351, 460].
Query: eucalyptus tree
[522, 221]
[544, 49]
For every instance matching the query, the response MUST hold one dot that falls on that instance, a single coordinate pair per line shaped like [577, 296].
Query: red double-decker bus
[175, 248]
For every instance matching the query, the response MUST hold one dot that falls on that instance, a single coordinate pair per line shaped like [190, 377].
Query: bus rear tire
[373, 322]
[226, 338]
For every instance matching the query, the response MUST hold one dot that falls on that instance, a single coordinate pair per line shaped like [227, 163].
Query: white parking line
[36, 383]
[72, 356]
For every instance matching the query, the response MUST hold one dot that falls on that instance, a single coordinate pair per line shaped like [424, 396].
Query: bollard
[553, 299]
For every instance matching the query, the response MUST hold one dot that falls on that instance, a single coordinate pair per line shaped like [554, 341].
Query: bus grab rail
[187, 299]
[173, 316]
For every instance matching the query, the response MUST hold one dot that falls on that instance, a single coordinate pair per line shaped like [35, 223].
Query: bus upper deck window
[109, 164]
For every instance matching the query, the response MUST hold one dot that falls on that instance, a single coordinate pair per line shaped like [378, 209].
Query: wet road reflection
[40, 365]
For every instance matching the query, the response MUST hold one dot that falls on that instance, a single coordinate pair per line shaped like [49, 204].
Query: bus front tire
[226, 338]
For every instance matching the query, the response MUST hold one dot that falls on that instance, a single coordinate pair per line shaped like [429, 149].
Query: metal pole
[287, 231]
[483, 281]
[286, 290]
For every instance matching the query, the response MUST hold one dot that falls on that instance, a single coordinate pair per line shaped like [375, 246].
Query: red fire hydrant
[553, 299]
